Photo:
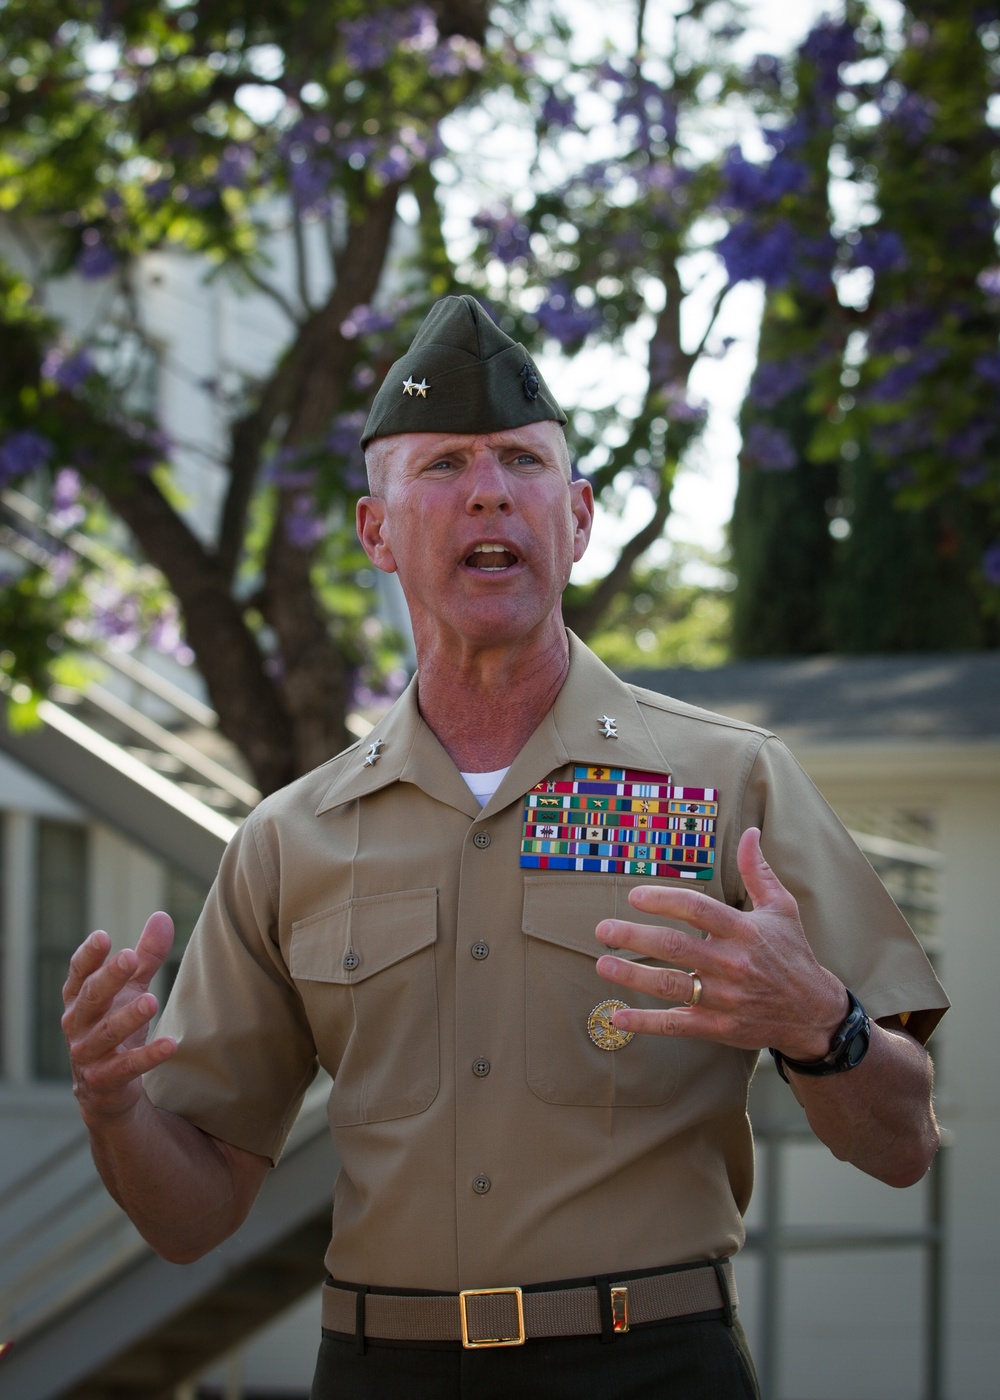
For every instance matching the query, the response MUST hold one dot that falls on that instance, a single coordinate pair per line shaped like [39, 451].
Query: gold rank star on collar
[374, 753]
[411, 387]
[609, 727]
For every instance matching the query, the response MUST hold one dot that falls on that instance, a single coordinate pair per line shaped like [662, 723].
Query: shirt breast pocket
[366, 972]
[564, 1065]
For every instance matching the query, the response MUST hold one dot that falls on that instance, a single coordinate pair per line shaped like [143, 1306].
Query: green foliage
[666, 619]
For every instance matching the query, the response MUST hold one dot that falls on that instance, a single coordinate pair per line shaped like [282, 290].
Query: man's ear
[582, 500]
[371, 520]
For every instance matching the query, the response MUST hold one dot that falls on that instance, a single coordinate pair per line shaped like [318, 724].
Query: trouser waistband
[509, 1316]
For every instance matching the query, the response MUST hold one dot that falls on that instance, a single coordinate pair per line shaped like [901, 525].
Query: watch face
[858, 1046]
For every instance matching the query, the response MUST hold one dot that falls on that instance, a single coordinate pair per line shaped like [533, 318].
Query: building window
[61, 926]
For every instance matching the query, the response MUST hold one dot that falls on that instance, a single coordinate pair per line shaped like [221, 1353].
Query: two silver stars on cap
[411, 387]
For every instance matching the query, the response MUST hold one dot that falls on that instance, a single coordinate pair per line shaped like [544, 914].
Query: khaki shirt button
[351, 961]
[481, 1068]
[481, 1185]
[480, 951]
[481, 839]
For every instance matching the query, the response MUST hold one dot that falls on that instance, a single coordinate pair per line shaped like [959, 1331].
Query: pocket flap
[356, 939]
[566, 909]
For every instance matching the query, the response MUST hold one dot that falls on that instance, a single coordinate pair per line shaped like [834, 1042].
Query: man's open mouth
[491, 558]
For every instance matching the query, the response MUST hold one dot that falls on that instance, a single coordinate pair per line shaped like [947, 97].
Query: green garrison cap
[461, 374]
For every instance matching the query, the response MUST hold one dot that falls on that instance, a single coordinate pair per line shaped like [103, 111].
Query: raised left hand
[760, 983]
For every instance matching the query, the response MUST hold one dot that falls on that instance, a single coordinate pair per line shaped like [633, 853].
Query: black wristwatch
[847, 1049]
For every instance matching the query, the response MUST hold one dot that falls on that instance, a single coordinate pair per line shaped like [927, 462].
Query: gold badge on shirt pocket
[602, 1030]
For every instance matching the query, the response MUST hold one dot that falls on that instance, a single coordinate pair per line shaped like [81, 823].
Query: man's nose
[489, 486]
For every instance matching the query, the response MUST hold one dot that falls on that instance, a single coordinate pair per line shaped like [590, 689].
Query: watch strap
[847, 1049]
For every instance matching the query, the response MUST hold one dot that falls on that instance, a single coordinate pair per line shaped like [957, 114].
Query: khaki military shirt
[372, 917]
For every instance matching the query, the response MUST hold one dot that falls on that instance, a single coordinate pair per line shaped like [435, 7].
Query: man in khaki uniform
[545, 1150]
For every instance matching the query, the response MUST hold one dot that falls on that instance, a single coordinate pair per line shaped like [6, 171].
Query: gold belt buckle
[491, 1341]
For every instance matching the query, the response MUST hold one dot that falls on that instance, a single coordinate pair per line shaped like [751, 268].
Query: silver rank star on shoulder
[411, 387]
[609, 727]
[374, 753]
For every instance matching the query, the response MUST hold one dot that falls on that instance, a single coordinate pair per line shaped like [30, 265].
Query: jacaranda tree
[874, 411]
[201, 126]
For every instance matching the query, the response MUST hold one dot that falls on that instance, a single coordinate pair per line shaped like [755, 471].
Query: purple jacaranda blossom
[365, 320]
[357, 150]
[60, 568]
[897, 382]
[510, 239]
[368, 693]
[558, 109]
[892, 440]
[971, 477]
[828, 46]
[345, 432]
[764, 73]
[969, 441]
[165, 636]
[987, 367]
[310, 181]
[991, 564]
[202, 196]
[372, 39]
[303, 527]
[454, 56]
[770, 449]
[95, 259]
[910, 113]
[750, 251]
[900, 328]
[67, 511]
[116, 617]
[157, 191]
[880, 249]
[563, 318]
[682, 409]
[234, 167]
[988, 281]
[68, 369]
[285, 470]
[363, 378]
[393, 164]
[23, 453]
[653, 112]
[792, 136]
[812, 270]
[774, 380]
[748, 186]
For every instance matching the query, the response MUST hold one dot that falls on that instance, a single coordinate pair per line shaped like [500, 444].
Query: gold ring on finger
[695, 996]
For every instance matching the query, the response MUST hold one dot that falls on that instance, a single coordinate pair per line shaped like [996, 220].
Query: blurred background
[753, 247]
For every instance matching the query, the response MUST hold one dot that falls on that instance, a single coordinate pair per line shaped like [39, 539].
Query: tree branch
[275, 294]
[583, 617]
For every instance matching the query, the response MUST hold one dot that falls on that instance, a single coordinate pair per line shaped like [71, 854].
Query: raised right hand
[106, 1022]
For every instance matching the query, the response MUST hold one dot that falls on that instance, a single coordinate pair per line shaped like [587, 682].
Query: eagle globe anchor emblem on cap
[602, 1030]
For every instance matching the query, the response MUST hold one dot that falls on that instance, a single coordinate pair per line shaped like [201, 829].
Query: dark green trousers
[688, 1359]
